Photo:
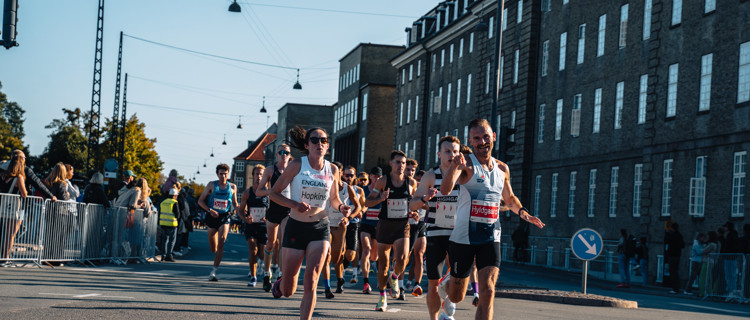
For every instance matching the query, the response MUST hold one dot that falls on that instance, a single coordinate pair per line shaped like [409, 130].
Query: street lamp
[225, 140]
[235, 7]
[263, 108]
[239, 125]
[212, 152]
[297, 86]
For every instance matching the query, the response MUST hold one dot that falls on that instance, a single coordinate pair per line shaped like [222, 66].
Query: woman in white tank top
[314, 186]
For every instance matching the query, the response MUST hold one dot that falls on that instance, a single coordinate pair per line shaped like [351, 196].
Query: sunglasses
[363, 179]
[315, 140]
[348, 175]
[284, 153]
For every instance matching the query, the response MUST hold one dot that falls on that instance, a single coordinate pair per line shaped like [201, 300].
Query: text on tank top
[396, 207]
[312, 186]
[221, 199]
[370, 215]
[256, 206]
[333, 213]
[479, 206]
[443, 209]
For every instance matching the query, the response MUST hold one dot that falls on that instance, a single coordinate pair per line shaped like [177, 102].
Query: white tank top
[477, 217]
[334, 215]
[312, 186]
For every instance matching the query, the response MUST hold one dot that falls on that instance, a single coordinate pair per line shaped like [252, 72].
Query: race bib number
[372, 214]
[484, 211]
[258, 214]
[220, 204]
[314, 196]
[445, 214]
[397, 209]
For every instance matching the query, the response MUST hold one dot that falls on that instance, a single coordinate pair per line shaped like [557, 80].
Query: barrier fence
[35, 230]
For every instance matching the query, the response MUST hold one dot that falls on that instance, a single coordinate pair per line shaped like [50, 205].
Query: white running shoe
[449, 308]
[443, 287]
[212, 276]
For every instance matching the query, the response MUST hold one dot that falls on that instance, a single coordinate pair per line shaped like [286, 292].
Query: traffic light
[10, 19]
[506, 142]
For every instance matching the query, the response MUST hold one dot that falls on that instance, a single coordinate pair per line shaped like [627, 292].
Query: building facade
[255, 154]
[364, 112]
[304, 115]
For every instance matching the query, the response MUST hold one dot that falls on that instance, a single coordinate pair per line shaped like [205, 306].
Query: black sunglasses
[315, 140]
[284, 152]
[348, 175]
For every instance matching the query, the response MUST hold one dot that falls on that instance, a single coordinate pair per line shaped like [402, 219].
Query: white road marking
[390, 310]
[709, 308]
[87, 295]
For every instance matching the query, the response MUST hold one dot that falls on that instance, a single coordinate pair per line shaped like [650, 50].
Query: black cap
[376, 171]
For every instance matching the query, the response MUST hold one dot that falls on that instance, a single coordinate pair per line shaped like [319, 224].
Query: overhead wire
[331, 10]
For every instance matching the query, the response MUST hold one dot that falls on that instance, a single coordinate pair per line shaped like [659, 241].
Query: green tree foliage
[11, 126]
[67, 144]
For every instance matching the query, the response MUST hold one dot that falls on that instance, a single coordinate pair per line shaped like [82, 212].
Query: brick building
[256, 153]
[304, 115]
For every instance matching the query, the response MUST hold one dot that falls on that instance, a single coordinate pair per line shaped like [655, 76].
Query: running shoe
[475, 302]
[443, 316]
[340, 286]
[401, 295]
[249, 274]
[443, 287]
[394, 286]
[329, 294]
[212, 276]
[417, 291]
[354, 275]
[449, 308]
[253, 282]
[367, 289]
[409, 286]
[266, 283]
[276, 289]
[382, 304]
[6, 264]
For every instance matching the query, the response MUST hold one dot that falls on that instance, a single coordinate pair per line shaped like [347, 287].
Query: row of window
[345, 115]
[697, 198]
[348, 78]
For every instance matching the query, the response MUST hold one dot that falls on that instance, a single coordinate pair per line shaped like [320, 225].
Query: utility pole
[116, 113]
[10, 20]
[96, 96]
[123, 125]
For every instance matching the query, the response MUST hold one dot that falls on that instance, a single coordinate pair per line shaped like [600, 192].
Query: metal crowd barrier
[724, 275]
[38, 231]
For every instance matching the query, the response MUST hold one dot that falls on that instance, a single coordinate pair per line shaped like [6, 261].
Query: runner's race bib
[372, 214]
[258, 214]
[334, 216]
[397, 209]
[421, 213]
[484, 211]
[220, 204]
[314, 196]
[445, 214]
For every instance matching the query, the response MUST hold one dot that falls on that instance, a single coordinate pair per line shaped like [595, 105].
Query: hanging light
[204, 163]
[235, 7]
[297, 86]
[239, 125]
[225, 140]
[198, 171]
[212, 152]
[263, 108]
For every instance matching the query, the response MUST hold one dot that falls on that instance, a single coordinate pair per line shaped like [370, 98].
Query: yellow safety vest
[166, 217]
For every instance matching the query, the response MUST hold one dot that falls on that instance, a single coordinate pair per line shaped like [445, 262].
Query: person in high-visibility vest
[169, 215]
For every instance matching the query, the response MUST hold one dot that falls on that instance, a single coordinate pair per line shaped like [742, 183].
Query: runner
[314, 186]
[253, 213]
[222, 195]
[275, 216]
[352, 230]
[393, 227]
[417, 230]
[485, 182]
[368, 226]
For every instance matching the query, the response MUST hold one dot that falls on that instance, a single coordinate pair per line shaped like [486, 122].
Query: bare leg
[337, 250]
[294, 258]
[419, 248]
[400, 255]
[433, 299]
[488, 277]
[384, 251]
[316, 252]
[271, 249]
[213, 239]
[222, 237]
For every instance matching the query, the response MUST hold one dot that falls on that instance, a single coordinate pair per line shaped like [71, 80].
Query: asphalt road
[172, 290]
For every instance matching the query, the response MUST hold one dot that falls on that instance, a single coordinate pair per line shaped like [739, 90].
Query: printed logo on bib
[484, 211]
[314, 196]
[445, 214]
[372, 214]
[220, 204]
[258, 214]
[397, 209]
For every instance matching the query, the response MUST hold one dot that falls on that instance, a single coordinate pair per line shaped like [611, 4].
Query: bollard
[550, 252]
[567, 258]
[659, 268]
[533, 254]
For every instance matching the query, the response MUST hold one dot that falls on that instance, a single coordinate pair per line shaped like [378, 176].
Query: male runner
[276, 214]
[393, 191]
[338, 227]
[252, 211]
[368, 234]
[475, 238]
[417, 230]
[222, 195]
[352, 229]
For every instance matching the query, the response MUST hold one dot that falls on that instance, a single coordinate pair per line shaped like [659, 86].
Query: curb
[566, 297]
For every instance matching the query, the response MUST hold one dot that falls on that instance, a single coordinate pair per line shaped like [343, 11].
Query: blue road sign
[586, 244]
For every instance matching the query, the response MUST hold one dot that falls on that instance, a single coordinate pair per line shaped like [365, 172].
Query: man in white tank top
[475, 238]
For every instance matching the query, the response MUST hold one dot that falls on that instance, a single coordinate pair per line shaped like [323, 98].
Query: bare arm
[21, 184]
[264, 187]
[425, 190]
[512, 201]
[335, 201]
[458, 172]
[355, 207]
[284, 180]
[234, 196]
[202, 200]
[241, 210]
[378, 193]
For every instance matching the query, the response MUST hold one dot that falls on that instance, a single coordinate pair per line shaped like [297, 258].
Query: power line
[330, 10]
[182, 109]
[183, 86]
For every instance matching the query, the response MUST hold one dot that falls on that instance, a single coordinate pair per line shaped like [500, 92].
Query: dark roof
[255, 151]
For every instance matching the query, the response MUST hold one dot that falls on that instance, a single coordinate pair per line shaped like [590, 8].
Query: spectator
[732, 253]
[673, 245]
[641, 252]
[745, 240]
[707, 263]
[127, 182]
[12, 181]
[185, 225]
[58, 220]
[626, 251]
[171, 181]
[72, 188]
[696, 256]
[169, 217]
[94, 191]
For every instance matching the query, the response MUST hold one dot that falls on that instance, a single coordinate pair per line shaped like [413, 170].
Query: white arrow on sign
[592, 248]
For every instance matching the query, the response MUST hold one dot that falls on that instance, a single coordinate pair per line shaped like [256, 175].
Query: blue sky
[53, 66]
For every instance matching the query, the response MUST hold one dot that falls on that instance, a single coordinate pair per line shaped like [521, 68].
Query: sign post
[586, 244]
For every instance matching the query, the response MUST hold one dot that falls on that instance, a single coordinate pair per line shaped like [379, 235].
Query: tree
[68, 144]
[11, 127]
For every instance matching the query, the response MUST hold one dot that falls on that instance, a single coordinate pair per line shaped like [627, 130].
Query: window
[439, 104]
[458, 93]
[710, 6]
[468, 88]
[575, 116]
[401, 115]
[357, 71]
[618, 104]
[408, 111]
[553, 197]
[706, 71]
[540, 134]
[466, 135]
[497, 129]
[403, 75]
[437, 139]
[597, 109]
[697, 204]
[642, 95]
[239, 166]
[545, 57]
[558, 119]
[442, 58]
[434, 61]
[623, 25]
[491, 26]
[471, 42]
[637, 183]
[602, 33]
[512, 137]
[461, 48]
[448, 100]
[647, 19]
[501, 76]
[414, 148]
[427, 156]
[672, 91]
[676, 12]
[515, 68]
[743, 82]
[364, 107]
[487, 81]
[411, 72]
[362, 152]
[738, 184]
[520, 11]
[592, 193]
[416, 108]
[565, 2]
[581, 42]
[666, 188]
[613, 192]
[450, 55]
[545, 8]
[537, 193]
[419, 67]
[240, 182]
[563, 46]
[572, 195]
